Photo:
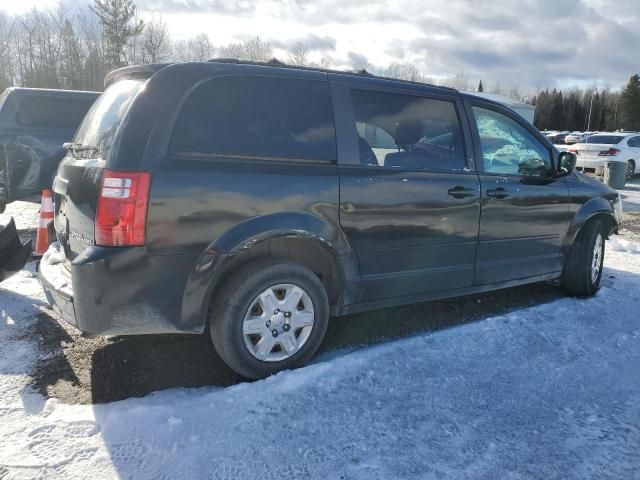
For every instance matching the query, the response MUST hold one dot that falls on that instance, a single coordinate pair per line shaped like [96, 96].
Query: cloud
[530, 43]
[357, 60]
[313, 42]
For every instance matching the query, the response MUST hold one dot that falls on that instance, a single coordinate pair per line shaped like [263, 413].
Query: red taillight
[612, 152]
[121, 214]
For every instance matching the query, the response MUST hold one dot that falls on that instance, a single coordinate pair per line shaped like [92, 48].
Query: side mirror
[566, 163]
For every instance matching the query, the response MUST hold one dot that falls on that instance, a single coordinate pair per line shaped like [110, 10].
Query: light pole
[593, 94]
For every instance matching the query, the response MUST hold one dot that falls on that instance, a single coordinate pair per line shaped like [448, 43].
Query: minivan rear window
[52, 111]
[604, 139]
[101, 122]
[265, 117]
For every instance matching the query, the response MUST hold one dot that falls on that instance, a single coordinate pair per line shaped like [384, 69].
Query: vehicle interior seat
[408, 133]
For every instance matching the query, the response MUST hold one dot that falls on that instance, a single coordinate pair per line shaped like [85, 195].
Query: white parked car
[600, 148]
[576, 137]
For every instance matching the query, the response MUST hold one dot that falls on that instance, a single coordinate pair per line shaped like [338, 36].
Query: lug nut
[287, 314]
[268, 323]
[274, 332]
[286, 327]
[276, 311]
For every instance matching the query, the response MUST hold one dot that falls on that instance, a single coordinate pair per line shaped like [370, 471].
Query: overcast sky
[529, 43]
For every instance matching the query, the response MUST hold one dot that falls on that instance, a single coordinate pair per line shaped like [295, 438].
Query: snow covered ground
[551, 391]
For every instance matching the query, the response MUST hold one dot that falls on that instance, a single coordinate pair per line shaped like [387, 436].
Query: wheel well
[303, 251]
[607, 220]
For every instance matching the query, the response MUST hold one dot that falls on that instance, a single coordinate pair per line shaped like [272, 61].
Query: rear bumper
[119, 291]
[592, 163]
[13, 253]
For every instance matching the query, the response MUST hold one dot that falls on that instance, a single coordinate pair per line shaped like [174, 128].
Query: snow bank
[551, 391]
[621, 245]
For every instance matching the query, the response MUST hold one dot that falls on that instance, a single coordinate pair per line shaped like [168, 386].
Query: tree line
[58, 49]
[590, 109]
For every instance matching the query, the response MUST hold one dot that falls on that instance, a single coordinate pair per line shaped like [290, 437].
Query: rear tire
[583, 268]
[631, 169]
[296, 308]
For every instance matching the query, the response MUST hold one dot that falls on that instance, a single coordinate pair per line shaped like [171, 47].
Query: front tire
[583, 268]
[271, 315]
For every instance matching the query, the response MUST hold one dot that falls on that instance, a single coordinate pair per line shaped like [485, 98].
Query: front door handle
[498, 193]
[461, 192]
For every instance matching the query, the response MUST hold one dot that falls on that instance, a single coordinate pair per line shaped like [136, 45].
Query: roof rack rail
[274, 62]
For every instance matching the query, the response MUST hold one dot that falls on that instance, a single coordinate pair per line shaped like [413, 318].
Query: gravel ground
[78, 369]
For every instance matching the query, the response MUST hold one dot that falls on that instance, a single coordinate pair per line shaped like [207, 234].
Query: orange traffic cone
[46, 217]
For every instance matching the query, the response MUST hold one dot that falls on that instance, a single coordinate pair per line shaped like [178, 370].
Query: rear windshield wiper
[79, 147]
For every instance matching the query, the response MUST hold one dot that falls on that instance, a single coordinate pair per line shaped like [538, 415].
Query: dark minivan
[256, 200]
[34, 123]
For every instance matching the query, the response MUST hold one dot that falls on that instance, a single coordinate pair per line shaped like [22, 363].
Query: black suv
[34, 123]
[254, 201]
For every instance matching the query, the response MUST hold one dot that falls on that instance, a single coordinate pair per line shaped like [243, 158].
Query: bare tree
[325, 62]
[257, 50]
[156, 43]
[201, 48]
[403, 71]
[460, 81]
[299, 54]
[91, 36]
[233, 50]
[6, 58]
[71, 61]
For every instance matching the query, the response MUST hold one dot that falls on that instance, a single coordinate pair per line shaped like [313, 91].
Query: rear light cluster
[612, 152]
[121, 213]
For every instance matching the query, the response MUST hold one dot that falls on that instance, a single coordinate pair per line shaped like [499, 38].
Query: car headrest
[408, 132]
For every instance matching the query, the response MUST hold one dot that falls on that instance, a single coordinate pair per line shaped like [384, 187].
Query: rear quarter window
[52, 112]
[266, 117]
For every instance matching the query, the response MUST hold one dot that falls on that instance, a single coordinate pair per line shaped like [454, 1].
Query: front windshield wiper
[79, 147]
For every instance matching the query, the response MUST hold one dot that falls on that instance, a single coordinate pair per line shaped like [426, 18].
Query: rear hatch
[77, 182]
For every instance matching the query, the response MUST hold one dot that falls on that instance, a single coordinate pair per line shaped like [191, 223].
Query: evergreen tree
[119, 25]
[480, 87]
[630, 104]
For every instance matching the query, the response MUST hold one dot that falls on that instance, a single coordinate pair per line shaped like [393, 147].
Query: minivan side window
[405, 131]
[52, 112]
[257, 117]
[508, 148]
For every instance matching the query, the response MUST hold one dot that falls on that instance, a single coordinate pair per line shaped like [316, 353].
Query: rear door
[525, 210]
[78, 178]
[634, 147]
[409, 194]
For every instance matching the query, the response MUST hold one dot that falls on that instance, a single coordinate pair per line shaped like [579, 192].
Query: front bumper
[119, 291]
[13, 253]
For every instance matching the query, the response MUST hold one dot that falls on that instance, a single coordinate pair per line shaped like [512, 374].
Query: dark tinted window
[258, 116]
[410, 132]
[52, 112]
[101, 123]
[605, 139]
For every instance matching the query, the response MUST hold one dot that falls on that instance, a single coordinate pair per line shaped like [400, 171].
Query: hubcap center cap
[277, 320]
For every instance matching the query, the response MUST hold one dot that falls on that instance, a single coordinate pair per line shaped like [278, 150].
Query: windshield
[101, 122]
[605, 139]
